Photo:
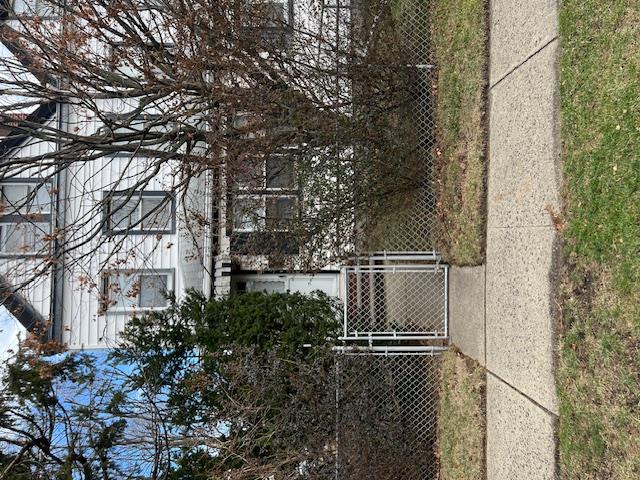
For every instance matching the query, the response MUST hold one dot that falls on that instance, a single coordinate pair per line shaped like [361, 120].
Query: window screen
[280, 211]
[25, 198]
[23, 238]
[153, 290]
[155, 213]
[248, 213]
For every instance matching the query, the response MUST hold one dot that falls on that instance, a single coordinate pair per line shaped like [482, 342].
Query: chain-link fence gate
[395, 309]
[386, 302]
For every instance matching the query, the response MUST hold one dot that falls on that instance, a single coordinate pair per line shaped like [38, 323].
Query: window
[124, 61]
[25, 216]
[248, 213]
[280, 172]
[253, 212]
[25, 198]
[139, 212]
[248, 174]
[270, 14]
[40, 8]
[25, 237]
[267, 195]
[280, 211]
[142, 290]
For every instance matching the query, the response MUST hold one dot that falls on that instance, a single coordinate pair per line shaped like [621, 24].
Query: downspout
[57, 284]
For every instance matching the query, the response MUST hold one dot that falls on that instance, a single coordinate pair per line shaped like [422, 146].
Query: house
[85, 247]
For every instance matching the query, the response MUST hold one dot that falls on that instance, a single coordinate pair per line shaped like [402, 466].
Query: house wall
[84, 323]
[78, 290]
[79, 307]
[25, 270]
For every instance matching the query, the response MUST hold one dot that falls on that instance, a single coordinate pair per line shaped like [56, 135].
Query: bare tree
[206, 96]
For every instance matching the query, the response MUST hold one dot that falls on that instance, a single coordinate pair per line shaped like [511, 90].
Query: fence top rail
[413, 268]
[386, 350]
[398, 255]
[377, 337]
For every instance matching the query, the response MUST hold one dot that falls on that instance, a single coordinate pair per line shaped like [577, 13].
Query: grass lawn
[461, 419]
[459, 30]
[599, 368]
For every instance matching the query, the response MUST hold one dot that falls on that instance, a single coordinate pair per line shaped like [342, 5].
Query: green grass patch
[459, 30]
[599, 367]
[461, 418]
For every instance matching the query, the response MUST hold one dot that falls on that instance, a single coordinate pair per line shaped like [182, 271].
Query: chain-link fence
[389, 301]
[387, 395]
[387, 416]
[408, 222]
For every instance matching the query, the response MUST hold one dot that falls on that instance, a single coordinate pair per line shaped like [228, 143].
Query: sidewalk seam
[506, 227]
[536, 403]
[533, 54]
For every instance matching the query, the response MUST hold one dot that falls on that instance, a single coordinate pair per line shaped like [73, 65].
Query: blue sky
[11, 330]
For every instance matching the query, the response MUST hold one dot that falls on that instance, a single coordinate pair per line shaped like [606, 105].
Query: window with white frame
[269, 22]
[248, 213]
[280, 172]
[270, 14]
[139, 212]
[40, 8]
[127, 291]
[266, 195]
[25, 217]
[131, 61]
[280, 211]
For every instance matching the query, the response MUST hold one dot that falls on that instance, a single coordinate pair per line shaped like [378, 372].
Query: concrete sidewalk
[502, 313]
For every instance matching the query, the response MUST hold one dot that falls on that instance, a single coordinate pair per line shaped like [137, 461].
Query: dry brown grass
[461, 418]
[459, 38]
[599, 380]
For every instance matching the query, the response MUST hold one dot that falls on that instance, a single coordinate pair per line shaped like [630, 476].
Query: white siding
[84, 324]
[28, 272]
[183, 252]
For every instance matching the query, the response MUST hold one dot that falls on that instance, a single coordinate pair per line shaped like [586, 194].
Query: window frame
[119, 66]
[23, 216]
[109, 196]
[261, 194]
[294, 179]
[261, 206]
[288, 15]
[276, 196]
[115, 309]
[32, 11]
